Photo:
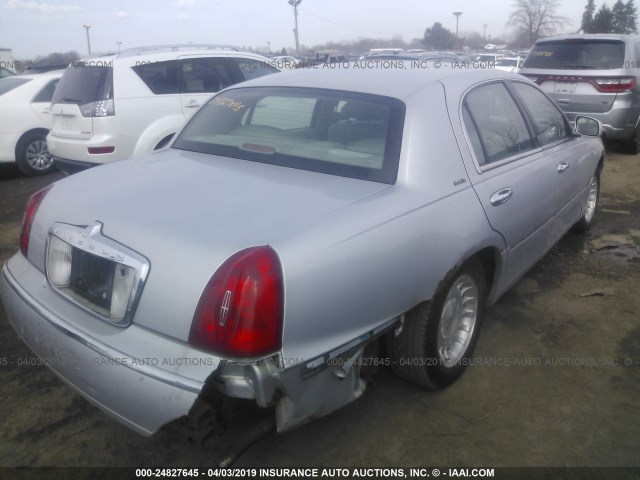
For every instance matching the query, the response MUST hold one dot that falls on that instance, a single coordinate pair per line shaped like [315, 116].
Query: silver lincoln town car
[299, 222]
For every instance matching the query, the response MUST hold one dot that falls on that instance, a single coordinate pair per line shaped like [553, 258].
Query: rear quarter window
[160, 77]
[46, 94]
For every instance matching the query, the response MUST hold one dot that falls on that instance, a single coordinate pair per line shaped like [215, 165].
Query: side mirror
[587, 126]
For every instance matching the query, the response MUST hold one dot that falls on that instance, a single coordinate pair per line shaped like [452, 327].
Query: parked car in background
[595, 75]
[509, 64]
[324, 57]
[297, 222]
[111, 107]
[25, 120]
[487, 57]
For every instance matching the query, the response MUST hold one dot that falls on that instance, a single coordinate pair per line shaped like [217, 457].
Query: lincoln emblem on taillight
[224, 308]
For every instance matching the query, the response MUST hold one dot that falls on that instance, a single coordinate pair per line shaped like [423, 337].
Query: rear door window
[548, 121]
[501, 128]
[577, 54]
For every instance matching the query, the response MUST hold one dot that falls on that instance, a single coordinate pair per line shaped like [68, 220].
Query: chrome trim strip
[317, 364]
[169, 378]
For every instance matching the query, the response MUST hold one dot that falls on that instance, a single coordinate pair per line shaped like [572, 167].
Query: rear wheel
[438, 337]
[32, 155]
[590, 206]
[632, 145]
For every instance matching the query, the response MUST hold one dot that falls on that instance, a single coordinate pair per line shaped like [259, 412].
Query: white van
[111, 107]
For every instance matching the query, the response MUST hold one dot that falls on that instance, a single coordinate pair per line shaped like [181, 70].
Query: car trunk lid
[189, 212]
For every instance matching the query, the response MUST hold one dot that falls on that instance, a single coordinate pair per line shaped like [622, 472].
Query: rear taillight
[615, 85]
[99, 108]
[30, 212]
[240, 312]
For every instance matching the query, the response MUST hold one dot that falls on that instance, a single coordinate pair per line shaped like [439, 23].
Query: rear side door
[41, 102]
[515, 180]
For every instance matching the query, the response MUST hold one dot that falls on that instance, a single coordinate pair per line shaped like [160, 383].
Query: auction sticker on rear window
[229, 103]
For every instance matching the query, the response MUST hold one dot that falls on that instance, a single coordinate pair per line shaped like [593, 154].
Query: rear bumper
[77, 150]
[134, 392]
[8, 141]
[72, 166]
[148, 388]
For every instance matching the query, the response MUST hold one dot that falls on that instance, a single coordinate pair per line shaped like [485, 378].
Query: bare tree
[533, 19]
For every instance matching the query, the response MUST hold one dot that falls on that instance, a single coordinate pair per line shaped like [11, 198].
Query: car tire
[32, 156]
[424, 351]
[590, 206]
[631, 145]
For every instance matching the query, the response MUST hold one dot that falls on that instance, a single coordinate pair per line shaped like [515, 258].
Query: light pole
[457, 14]
[119, 43]
[87, 27]
[294, 4]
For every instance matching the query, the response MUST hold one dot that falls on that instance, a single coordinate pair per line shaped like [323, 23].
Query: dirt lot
[555, 382]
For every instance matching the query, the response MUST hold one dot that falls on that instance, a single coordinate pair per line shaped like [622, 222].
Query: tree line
[533, 19]
[621, 18]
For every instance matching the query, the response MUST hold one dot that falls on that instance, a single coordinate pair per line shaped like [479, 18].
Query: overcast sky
[40, 27]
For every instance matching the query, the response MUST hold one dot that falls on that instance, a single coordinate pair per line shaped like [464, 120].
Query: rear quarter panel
[379, 258]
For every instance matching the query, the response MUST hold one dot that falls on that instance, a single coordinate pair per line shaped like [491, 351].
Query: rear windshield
[81, 84]
[8, 84]
[338, 133]
[577, 54]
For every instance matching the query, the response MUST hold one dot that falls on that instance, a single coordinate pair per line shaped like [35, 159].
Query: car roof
[170, 52]
[589, 36]
[395, 82]
[44, 75]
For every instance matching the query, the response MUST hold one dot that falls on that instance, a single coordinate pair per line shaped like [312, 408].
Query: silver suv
[594, 74]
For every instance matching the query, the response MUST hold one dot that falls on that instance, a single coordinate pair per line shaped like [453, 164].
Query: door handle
[501, 196]
[562, 167]
[192, 104]
[45, 110]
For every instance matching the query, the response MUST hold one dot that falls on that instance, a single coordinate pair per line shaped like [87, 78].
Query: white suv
[111, 107]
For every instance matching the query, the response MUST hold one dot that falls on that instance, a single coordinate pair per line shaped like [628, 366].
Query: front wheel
[438, 337]
[589, 208]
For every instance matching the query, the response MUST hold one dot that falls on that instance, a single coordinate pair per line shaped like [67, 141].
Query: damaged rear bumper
[131, 373]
